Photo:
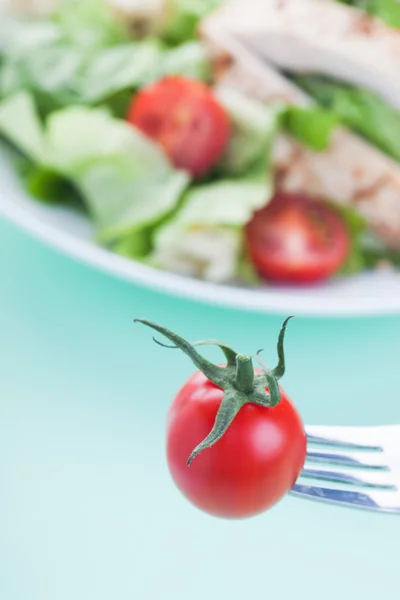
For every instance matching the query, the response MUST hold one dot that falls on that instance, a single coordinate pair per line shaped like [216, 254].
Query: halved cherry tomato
[183, 116]
[296, 239]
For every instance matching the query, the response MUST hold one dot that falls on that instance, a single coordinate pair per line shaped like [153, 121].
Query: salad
[163, 122]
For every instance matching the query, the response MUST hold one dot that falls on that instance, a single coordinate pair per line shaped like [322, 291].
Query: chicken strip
[349, 172]
[319, 36]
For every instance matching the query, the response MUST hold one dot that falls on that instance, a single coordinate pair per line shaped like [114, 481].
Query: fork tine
[376, 501]
[312, 439]
[366, 460]
[368, 438]
[371, 479]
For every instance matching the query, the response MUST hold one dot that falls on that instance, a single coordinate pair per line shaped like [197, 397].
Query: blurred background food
[190, 142]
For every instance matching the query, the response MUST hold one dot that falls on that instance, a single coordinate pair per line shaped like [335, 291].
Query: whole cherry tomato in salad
[235, 442]
[185, 118]
[296, 239]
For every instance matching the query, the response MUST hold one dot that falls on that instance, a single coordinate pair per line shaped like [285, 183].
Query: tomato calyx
[238, 379]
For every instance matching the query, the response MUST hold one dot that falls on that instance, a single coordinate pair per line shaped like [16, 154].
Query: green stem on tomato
[237, 379]
[244, 380]
[279, 370]
[228, 410]
[230, 354]
[213, 372]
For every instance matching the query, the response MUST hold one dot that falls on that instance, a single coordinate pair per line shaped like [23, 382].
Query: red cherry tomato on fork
[254, 464]
[235, 442]
[183, 116]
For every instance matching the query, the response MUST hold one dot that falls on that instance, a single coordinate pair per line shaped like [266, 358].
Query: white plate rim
[322, 301]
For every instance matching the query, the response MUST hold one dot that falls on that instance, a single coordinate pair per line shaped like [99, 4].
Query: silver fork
[358, 467]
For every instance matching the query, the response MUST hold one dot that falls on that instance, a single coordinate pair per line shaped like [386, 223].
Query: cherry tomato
[183, 116]
[235, 442]
[254, 464]
[296, 239]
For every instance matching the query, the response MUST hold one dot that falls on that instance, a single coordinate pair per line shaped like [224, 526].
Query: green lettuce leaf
[49, 57]
[123, 67]
[136, 245]
[130, 66]
[254, 127]
[358, 109]
[48, 186]
[45, 59]
[204, 238]
[367, 251]
[189, 59]
[387, 10]
[184, 17]
[376, 255]
[20, 124]
[50, 71]
[125, 179]
[357, 227]
[312, 125]
[226, 202]
[89, 24]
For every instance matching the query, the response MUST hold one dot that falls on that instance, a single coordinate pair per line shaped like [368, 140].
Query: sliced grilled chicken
[349, 172]
[321, 37]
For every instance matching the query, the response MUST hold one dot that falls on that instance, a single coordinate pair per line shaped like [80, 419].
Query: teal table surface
[87, 507]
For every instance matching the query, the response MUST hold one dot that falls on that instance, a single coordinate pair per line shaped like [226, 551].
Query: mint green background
[87, 507]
